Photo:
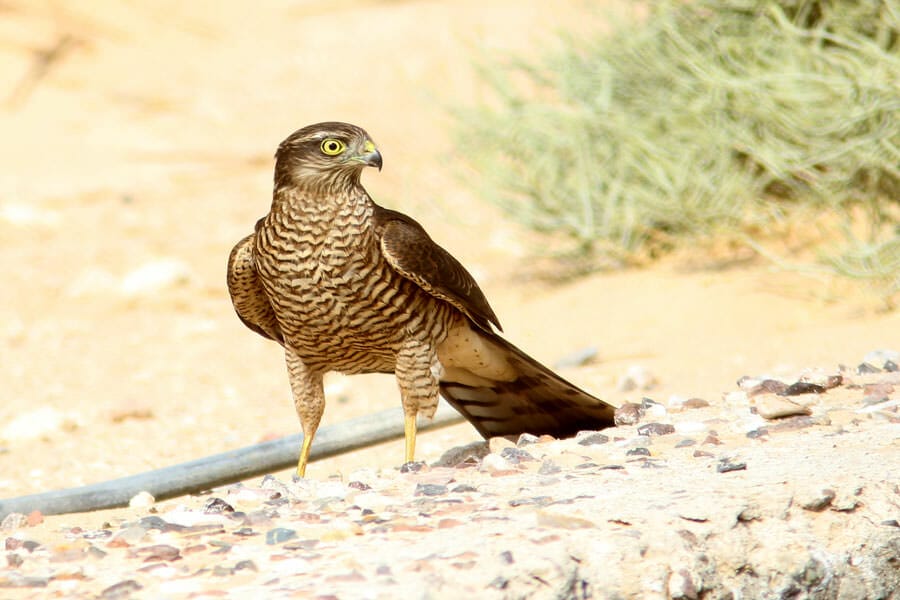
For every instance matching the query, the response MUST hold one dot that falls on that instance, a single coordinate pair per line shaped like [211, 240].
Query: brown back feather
[411, 252]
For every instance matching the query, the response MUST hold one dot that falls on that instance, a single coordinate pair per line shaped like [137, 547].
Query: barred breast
[340, 305]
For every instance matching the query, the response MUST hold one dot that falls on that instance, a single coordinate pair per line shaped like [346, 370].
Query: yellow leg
[409, 430]
[309, 400]
[304, 455]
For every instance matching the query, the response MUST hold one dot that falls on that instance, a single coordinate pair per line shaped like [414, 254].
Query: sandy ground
[137, 144]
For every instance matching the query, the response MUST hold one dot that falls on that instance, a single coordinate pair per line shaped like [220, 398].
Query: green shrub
[705, 118]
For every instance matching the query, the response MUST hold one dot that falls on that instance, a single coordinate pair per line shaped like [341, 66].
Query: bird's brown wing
[497, 387]
[411, 252]
[247, 294]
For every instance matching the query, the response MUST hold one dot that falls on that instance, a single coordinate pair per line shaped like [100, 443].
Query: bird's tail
[529, 398]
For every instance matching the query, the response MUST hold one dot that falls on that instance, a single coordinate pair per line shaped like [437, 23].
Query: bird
[344, 284]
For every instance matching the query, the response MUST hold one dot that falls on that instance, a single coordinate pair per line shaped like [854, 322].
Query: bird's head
[325, 155]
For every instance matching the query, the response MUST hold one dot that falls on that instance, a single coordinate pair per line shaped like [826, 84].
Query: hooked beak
[371, 157]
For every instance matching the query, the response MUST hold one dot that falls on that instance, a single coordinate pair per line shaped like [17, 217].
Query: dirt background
[137, 144]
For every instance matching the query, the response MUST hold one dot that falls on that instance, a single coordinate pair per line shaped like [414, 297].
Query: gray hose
[227, 467]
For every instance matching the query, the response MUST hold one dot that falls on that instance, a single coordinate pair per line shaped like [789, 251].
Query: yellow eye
[332, 147]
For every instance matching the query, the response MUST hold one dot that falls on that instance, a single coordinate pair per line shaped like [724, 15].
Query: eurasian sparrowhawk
[346, 285]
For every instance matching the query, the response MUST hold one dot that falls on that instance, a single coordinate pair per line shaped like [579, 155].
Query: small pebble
[726, 465]
[865, 367]
[547, 518]
[803, 387]
[538, 500]
[526, 439]
[413, 467]
[159, 552]
[690, 427]
[882, 357]
[121, 590]
[549, 468]
[155, 522]
[279, 535]
[154, 276]
[637, 441]
[498, 444]
[592, 439]
[774, 407]
[142, 500]
[638, 452]
[128, 536]
[245, 564]
[38, 423]
[695, 403]
[430, 489]
[794, 423]
[767, 386]
[656, 429]
[464, 488]
[815, 501]
[653, 409]
[493, 463]
[826, 380]
[215, 506]
[463, 456]
[628, 414]
[516, 455]
[13, 521]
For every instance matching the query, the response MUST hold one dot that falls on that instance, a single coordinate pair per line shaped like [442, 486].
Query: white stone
[494, 462]
[690, 427]
[38, 423]
[143, 499]
[154, 276]
[877, 358]
[775, 407]
[25, 215]
[655, 412]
